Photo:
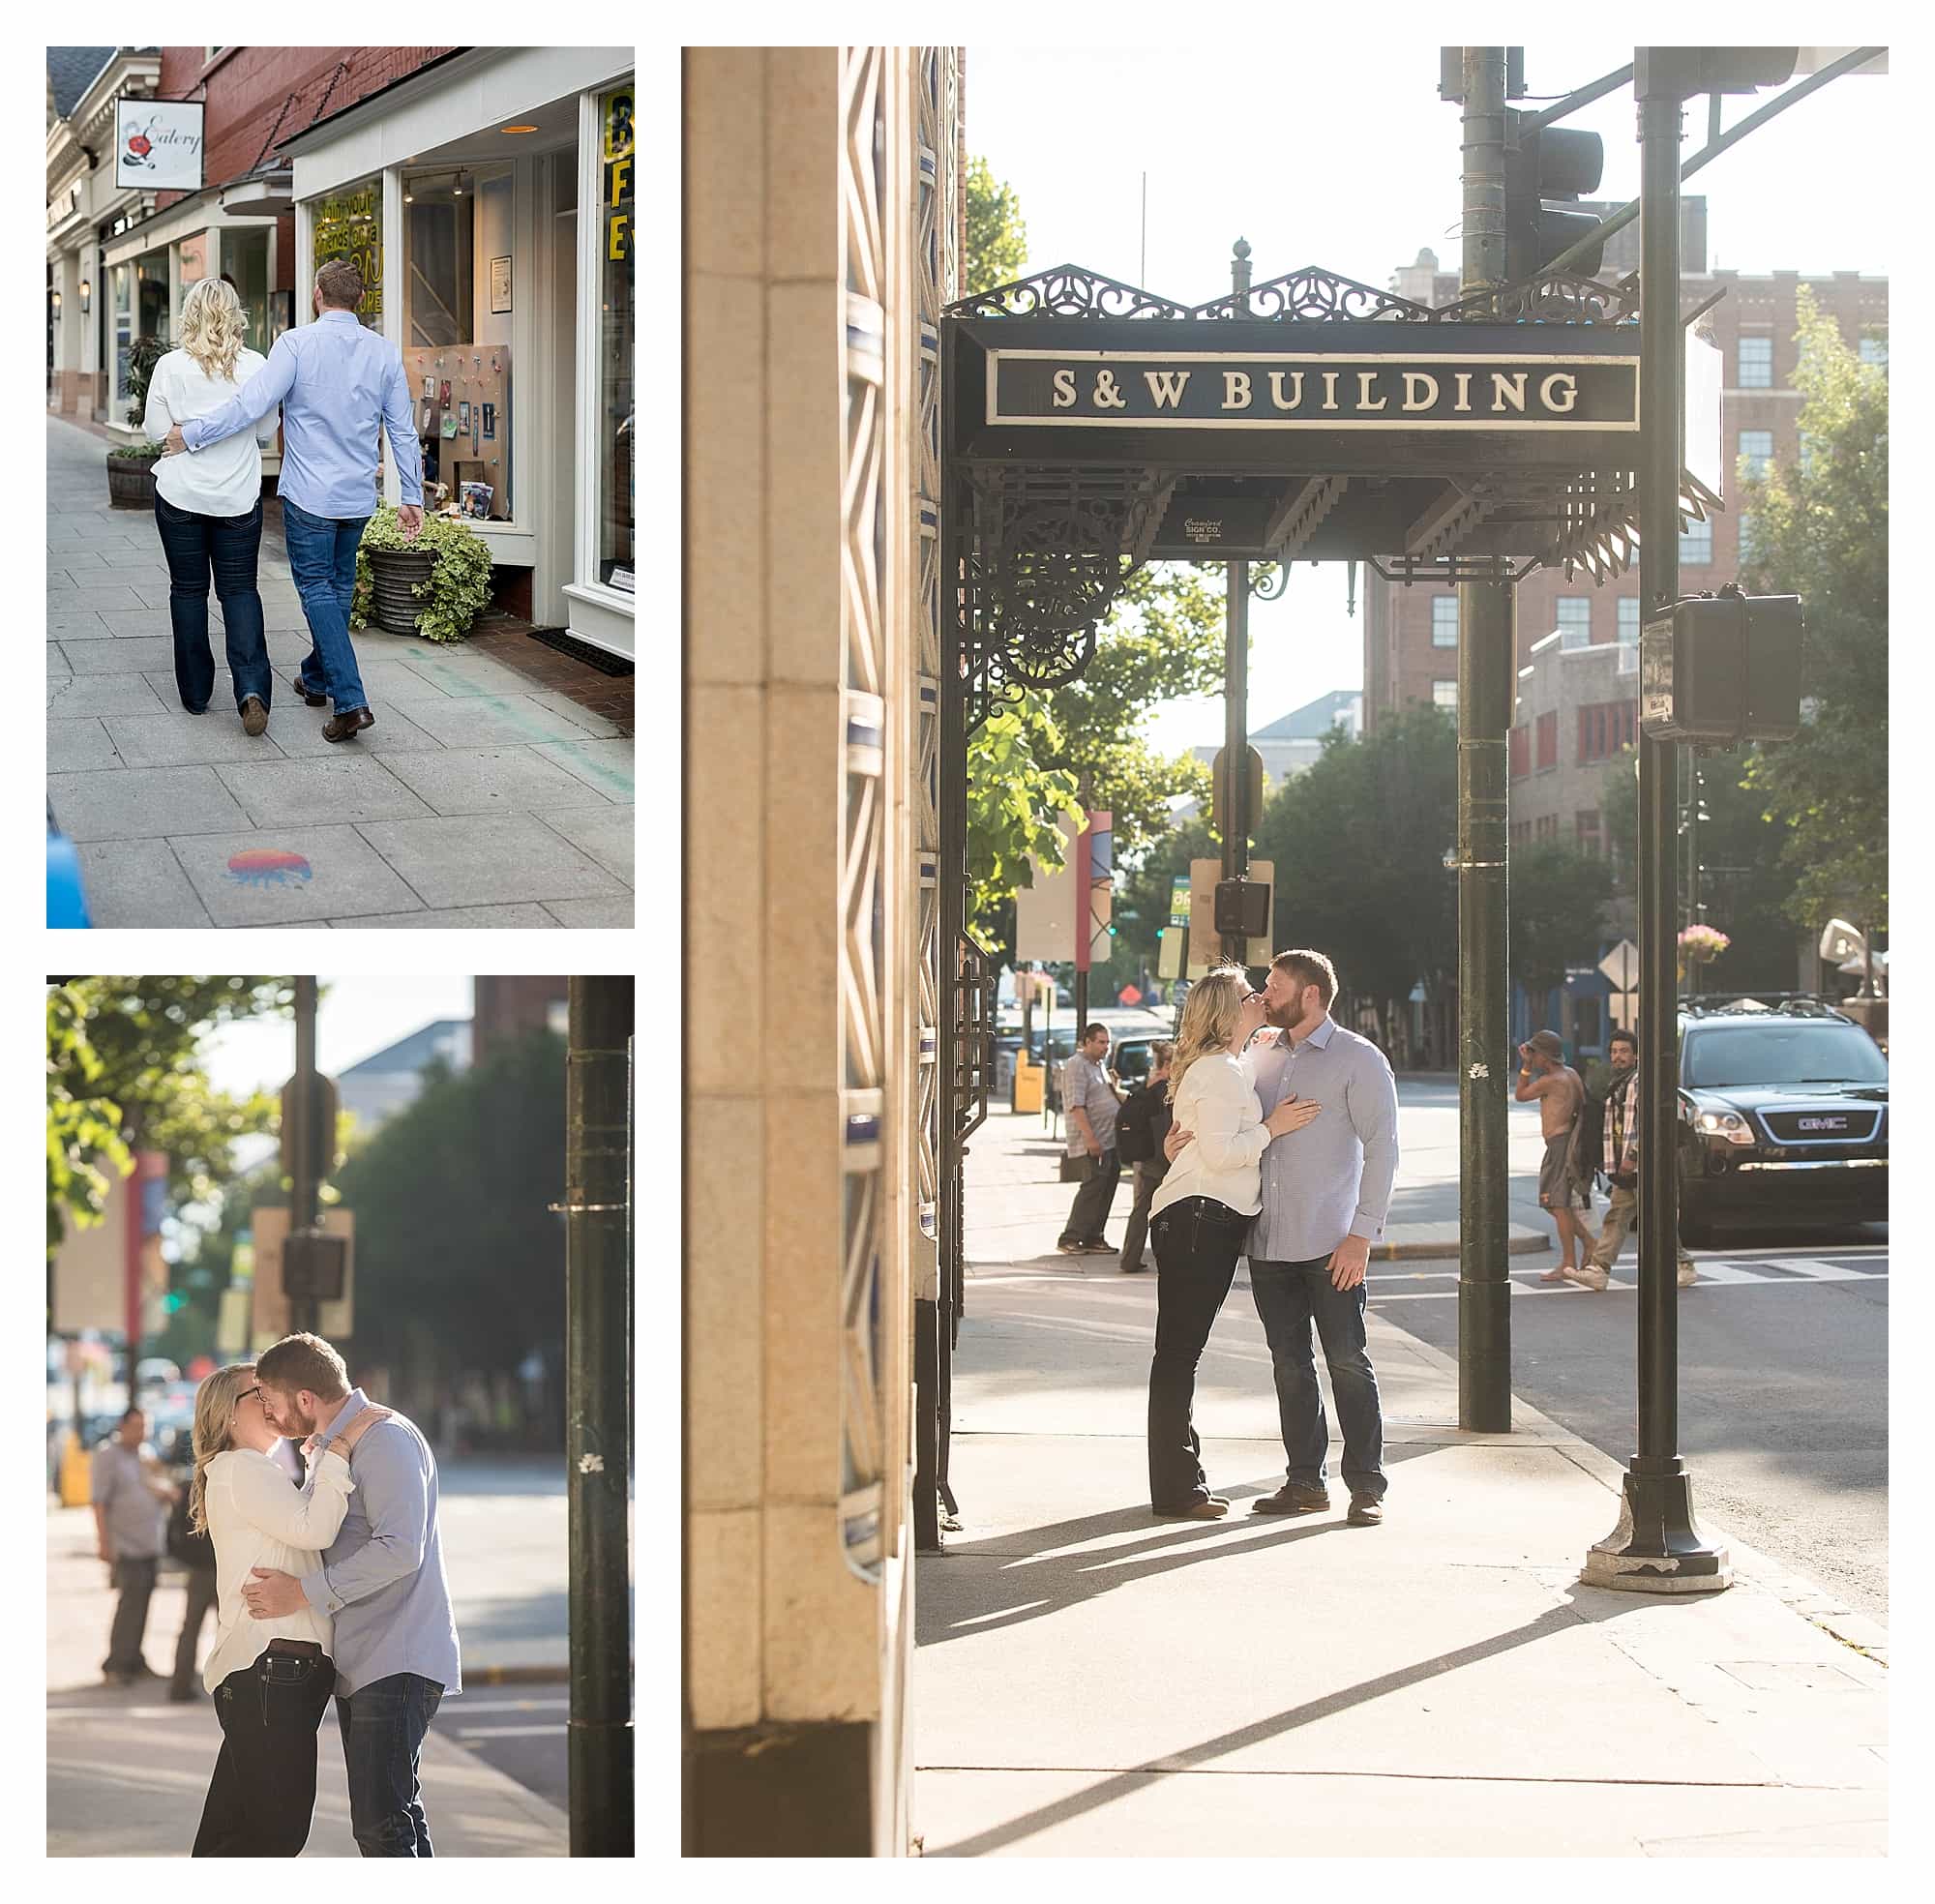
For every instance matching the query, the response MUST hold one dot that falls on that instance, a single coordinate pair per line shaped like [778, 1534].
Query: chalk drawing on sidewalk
[269, 866]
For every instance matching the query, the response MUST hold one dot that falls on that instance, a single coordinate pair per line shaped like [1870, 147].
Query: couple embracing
[1283, 1148]
[335, 1587]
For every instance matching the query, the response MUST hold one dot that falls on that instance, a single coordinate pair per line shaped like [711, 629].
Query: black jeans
[262, 1796]
[226, 545]
[1290, 1296]
[1197, 1243]
[1091, 1208]
[383, 1725]
[135, 1582]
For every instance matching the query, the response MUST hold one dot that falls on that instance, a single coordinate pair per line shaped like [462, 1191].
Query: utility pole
[1235, 790]
[1485, 683]
[1655, 1547]
[598, 1333]
[304, 1310]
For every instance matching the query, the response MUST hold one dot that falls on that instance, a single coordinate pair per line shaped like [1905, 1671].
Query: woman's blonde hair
[215, 1404]
[213, 326]
[1210, 1016]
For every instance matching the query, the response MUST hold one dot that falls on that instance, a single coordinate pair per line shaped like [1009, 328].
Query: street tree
[1820, 531]
[125, 1072]
[1014, 803]
[997, 236]
[1556, 897]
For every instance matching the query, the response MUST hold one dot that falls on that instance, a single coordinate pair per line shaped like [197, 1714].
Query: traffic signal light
[1720, 670]
[1549, 163]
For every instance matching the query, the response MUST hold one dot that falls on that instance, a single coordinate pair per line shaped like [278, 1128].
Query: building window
[1874, 350]
[1574, 620]
[1586, 826]
[1445, 694]
[1696, 545]
[1444, 621]
[1521, 764]
[1548, 740]
[1746, 551]
[124, 330]
[1756, 452]
[349, 224]
[1756, 363]
[617, 437]
[1545, 827]
[1629, 618]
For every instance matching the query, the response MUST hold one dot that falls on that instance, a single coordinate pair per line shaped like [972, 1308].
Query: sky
[354, 1017]
[1347, 159]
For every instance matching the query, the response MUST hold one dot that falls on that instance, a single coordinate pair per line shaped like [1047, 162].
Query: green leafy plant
[459, 584]
[146, 353]
[136, 453]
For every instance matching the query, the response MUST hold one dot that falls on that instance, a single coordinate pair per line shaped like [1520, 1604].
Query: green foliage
[136, 453]
[1556, 892]
[1013, 806]
[458, 586]
[145, 353]
[1821, 534]
[460, 1262]
[1359, 841]
[997, 236]
[1141, 909]
[125, 1073]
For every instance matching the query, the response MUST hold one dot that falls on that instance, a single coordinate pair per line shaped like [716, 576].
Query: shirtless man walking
[1560, 1091]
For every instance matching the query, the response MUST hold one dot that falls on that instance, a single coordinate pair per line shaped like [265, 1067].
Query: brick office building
[507, 1009]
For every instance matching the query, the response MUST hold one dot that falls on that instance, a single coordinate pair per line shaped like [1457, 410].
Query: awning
[183, 221]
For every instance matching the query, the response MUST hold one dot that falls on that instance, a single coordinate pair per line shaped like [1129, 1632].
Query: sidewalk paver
[1091, 1681]
[518, 750]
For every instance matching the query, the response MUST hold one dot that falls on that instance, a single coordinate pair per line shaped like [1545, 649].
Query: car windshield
[1775, 1052]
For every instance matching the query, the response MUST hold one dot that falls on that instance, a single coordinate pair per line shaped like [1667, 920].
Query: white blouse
[1217, 1100]
[225, 479]
[257, 1518]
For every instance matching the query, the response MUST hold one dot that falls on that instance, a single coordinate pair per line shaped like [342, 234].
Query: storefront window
[349, 224]
[151, 292]
[617, 439]
[461, 282]
[245, 263]
[124, 322]
[193, 260]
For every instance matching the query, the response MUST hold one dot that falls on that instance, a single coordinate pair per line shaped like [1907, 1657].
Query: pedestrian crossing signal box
[1718, 669]
[313, 1266]
[1243, 908]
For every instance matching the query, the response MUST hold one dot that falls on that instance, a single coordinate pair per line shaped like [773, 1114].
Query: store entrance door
[549, 607]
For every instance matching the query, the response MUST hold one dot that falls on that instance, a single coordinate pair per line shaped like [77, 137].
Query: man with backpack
[1141, 1126]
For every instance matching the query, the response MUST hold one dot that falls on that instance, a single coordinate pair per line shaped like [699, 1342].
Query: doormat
[569, 644]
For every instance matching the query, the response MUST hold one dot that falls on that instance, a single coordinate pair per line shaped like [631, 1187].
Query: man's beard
[1283, 1017]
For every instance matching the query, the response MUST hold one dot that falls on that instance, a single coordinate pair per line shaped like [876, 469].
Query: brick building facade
[507, 1009]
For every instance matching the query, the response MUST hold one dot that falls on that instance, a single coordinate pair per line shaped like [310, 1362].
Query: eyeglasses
[247, 1393]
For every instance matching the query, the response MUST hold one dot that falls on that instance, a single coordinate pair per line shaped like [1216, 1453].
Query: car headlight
[1728, 1124]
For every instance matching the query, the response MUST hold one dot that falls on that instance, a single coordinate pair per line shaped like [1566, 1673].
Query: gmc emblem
[1824, 1124]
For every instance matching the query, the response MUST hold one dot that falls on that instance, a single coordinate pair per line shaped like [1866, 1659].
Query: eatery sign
[1310, 390]
[158, 145]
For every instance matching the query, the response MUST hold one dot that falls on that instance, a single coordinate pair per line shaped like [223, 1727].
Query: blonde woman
[270, 1678]
[1198, 1219]
[208, 508]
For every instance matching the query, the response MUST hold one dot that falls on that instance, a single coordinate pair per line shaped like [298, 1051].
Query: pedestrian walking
[1091, 1100]
[1201, 1215]
[1546, 1080]
[336, 383]
[131, 1498]
[196, 1555]
[1325, 1200]
[1619, 1159]
[1140, 1125]
[208, 508]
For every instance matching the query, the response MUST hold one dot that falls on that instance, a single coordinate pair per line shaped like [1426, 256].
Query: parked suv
[1783, 1110]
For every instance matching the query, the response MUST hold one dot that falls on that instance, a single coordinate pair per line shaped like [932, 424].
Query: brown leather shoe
[1213, 1510]
[313, 700]
[1365, 1512]
[255, 716]
[348, 726]
[1291, 1499]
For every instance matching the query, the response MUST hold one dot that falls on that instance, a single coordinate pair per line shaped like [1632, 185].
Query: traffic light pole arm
[1754, 120]
[1572, 102]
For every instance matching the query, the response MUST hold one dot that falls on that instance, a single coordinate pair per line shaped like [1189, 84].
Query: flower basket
[432, 586]
[131, 478]
[1699, 945]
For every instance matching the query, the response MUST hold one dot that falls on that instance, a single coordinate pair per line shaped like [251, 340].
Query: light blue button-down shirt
[1333, 1177]
[337, 382]
[382, 1576]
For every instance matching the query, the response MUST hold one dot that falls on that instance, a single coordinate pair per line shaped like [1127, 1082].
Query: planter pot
[393, 574]
[131, 482]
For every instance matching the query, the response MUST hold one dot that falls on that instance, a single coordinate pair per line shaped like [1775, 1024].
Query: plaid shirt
[1622, 1135]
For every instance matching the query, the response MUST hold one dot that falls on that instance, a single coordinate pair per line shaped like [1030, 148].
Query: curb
[499, 1676]
[1527, 1243]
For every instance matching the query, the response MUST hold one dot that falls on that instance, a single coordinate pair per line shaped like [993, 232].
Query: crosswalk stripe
[1823, 1271]
[1731, 1272]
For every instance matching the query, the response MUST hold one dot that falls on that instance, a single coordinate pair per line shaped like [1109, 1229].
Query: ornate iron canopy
[1093, 426]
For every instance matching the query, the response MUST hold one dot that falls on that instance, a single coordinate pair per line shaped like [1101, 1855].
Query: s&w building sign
[1291, 390]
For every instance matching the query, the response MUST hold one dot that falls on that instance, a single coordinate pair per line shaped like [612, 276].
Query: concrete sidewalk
[1091, 1681]
[127, 1770]
[474, 801]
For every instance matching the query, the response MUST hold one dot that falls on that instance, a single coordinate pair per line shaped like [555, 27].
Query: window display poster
[500, 284]
[617, 167]
[158, 145]
[349, 224]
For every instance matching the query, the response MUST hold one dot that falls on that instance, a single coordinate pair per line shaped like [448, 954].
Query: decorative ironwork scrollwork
[1067, 290]
[1314, 294]
[1557, 298]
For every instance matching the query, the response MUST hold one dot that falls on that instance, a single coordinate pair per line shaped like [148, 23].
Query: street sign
[1205, 944]
[1621, 966]
[270, 1310]
[1253, 791]
[1169, 959]
[1624, 1008]
[1179, 902]
[1045, 912]
[1099, 845]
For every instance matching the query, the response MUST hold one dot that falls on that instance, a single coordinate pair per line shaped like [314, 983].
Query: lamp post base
[1656, 1548]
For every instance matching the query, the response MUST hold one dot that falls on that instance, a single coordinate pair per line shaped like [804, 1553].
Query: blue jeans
[383, 1725]
[1290, 1296]
[322, 560]
[228, 545]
